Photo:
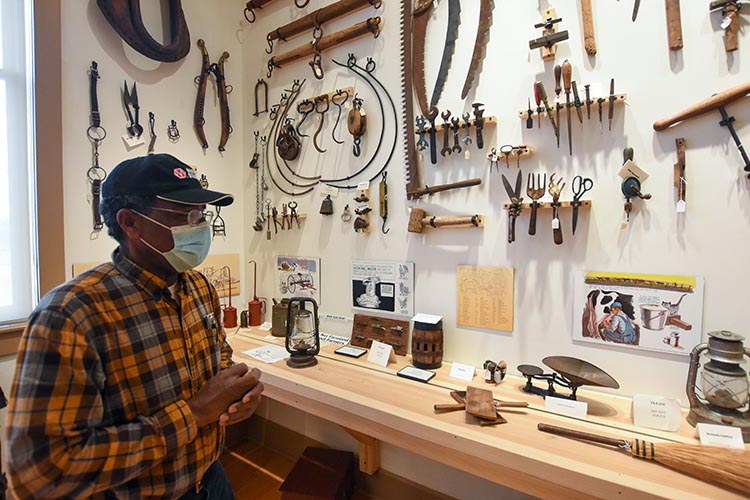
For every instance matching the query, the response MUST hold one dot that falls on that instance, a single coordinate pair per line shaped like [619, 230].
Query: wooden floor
[257, 472]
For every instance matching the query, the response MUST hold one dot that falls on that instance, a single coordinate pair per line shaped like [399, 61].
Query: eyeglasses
[194, 217]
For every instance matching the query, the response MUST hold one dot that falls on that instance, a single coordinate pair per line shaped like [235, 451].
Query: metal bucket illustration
[653, 316]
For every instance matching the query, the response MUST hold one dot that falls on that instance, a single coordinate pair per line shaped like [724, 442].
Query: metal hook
[296, 2]
[370, 65]
[339, 92]
[251, 11]
[317, 66]
[269, 40]
[351, 60]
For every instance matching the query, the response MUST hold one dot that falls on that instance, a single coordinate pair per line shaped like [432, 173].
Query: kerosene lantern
[302, 332]
[723, 383]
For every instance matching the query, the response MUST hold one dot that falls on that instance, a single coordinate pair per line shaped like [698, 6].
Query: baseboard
[381, 485]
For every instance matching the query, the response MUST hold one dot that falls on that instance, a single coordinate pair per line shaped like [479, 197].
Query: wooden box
[321, 473]
[389, 331]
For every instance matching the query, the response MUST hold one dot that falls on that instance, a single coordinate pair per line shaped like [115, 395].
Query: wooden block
[480, 403]
[320, 473]
[369, 452]
[390, 331]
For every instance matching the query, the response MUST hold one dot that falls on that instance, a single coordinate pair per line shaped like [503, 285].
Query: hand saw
[483, 36]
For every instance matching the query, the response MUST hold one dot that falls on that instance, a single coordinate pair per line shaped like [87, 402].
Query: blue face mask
[191, 245]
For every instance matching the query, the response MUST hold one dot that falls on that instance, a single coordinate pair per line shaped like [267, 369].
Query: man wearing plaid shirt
[124, 379]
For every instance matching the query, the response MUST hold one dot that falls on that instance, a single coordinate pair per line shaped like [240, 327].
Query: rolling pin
[710, 104]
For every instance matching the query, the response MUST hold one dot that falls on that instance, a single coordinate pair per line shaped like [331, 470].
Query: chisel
[611, 102]
[636, 6]
[558, 89]
[577, 102]
[538, 107]
[588, 101]
[539, 89]
[567, 72]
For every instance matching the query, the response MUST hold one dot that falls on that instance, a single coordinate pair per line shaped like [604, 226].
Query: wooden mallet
[418, 220]
[720, 466]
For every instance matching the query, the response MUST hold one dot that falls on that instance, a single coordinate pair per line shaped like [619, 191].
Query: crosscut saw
[421, 17]
[480, 44]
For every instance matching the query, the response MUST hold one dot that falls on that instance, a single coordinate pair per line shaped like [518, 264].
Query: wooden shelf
[544, 205]
[488, 121]
[619, 99]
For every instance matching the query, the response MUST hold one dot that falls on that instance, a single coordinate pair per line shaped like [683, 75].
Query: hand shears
[581, 185]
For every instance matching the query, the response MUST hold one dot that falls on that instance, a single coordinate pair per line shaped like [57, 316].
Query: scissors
[581, 185]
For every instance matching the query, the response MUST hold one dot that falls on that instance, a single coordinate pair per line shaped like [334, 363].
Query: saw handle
[713, 102]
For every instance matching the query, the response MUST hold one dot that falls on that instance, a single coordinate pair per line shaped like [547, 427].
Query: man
[617, 327]
[124, 379]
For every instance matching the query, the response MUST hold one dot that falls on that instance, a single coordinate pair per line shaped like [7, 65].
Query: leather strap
[93, 77]
[96, 191]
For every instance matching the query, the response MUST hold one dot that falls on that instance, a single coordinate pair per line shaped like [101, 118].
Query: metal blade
[480, 44]
[421, 16]
[509, 188]
[636, 6]
[575, 218]
[519, 185]
[454, 20]
[410, 152]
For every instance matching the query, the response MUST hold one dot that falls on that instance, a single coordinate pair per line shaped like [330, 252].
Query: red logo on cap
[180, 173]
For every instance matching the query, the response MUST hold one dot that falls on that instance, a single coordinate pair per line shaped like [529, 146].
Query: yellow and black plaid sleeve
[98, 407]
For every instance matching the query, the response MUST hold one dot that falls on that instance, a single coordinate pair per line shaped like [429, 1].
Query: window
[18, 248]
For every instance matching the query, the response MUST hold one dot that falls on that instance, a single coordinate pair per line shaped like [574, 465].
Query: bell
[326, 208]
[722, 395]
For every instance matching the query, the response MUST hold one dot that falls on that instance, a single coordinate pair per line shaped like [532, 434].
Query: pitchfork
[535, 190]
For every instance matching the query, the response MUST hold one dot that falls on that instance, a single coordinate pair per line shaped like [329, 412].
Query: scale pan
[580, 372]
[530, 370]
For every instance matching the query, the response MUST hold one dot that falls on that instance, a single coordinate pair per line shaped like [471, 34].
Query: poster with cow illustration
[651, 312]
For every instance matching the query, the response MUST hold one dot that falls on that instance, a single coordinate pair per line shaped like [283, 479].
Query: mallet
[720, 466]
[418, 220]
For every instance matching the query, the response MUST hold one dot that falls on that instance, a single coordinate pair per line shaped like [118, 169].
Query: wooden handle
[679, 168]
[441, 408]
[730, 37]
[453, 220]
[511, 404]
[532, 220]
[540, 92]
[558, 74]
[674, 24]
[562, 431]
[512, 235]
[317, 18]
[567, 73]
[557, 234]
[589, 39]
[713, 102]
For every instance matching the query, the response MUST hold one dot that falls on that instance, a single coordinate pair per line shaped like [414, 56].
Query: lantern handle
[693, 373]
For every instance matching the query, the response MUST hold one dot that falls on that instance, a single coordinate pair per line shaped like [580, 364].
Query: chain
[262, 184]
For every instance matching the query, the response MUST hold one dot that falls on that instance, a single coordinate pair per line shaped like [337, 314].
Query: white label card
[364, 185]
[656, 412]
[568, 407]
[431, 319]
[266, 327]
[721, 435]
[630, 169]
[381, 353]
[132, 141]
[462, 372]
[334, 192]
[681, 207]
[555, 223]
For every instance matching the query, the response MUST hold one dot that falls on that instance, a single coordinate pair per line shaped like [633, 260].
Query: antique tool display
[261, 88]
[516, 201]
[554, 189]
[326, 206]
[679, 175]
[222, 90]
[356, 123]
[173, 133]
[383, 191]
[339, 99]
[427, 342]
[508, 150]
[589, 37]
[483, 405]
[720, 466]
[535, 190]
[302, 340]
[539, 91]
[612, 98]
[730, 21]
[550, 36]
[721, 395]
[674, 24]
[568, 372]
[567, 72]
[250, 8]
[480, 44]
[322, 105]
[451, 36]
[369, 26]
[718, 101]
[419, 220]
[411, 174]
[429, 190]
[580, 187]
[316, 19]
[394, 332]
[494, 373]
[130, 100]
[632, 176]
[229, 312]
[362, 221]
[151, 132]
[558, 90]
[96, 134]
[125, 17]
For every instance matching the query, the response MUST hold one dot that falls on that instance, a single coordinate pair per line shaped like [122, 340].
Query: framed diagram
[298, 277]
[383, 286]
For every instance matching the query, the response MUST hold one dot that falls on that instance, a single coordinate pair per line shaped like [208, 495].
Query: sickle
[125, 17]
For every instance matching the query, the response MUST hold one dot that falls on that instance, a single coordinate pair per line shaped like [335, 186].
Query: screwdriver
[539, 89]
[529, 118]
[588, 100]
[538, 107]
[567, 71]
[558, 89]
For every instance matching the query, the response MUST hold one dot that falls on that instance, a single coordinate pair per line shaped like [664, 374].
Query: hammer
[418, 220]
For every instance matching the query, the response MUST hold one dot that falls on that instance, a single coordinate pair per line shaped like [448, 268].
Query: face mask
[191, 245]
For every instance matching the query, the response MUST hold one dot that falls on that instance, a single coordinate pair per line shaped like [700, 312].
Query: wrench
[445, 115]
[456, 121]
[467, 126]
[422, 143]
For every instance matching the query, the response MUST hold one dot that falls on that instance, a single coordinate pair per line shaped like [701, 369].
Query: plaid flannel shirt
[98, 407]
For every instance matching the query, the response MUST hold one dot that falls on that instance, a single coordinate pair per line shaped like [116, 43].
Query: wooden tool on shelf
[730, 14]
[674, 24]
[589, 38]
[720, 466]
[367, 328]
[550, 37]
[428, 190]
[679, 174]
[418, 220]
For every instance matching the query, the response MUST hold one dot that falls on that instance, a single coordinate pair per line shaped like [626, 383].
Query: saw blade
[407, 101]
[420, 17]
[480, 44]
[451, 35]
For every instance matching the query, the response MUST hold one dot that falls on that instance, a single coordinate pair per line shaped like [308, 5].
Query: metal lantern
[302, 332]
[723, 384]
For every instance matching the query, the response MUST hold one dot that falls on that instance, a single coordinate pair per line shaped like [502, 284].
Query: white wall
[708, 242]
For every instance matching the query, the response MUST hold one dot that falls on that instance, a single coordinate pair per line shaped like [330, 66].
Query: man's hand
[229, 386]
[244, 409]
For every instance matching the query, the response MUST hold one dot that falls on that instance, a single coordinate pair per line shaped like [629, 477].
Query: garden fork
[535, 190]
[555, 188]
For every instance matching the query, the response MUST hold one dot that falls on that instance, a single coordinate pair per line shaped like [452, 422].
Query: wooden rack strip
[525, 153]
[329, 95]
[548, 204]
[619, 99]
[371, 25]
[317, 18]
[488, 120]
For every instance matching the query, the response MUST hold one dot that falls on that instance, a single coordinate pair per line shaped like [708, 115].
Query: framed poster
[485, 297]
[383, 286]
[298, 277]
[218, 268]
[642, 311]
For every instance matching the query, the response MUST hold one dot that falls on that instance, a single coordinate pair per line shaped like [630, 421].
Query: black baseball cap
[162, 176]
